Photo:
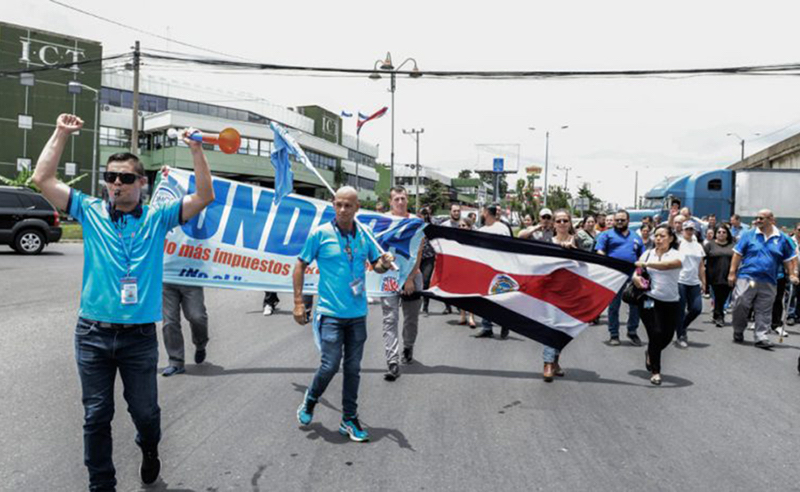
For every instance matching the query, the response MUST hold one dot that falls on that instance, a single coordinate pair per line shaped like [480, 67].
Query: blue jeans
[613, 317]
[338, 335]
[549, 354]
[691, 298]
[99, 353]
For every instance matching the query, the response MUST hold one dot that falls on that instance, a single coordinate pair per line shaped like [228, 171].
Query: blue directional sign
[498, 165]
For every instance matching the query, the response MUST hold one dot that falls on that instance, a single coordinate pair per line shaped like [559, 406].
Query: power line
[771, 70]
[142, 31]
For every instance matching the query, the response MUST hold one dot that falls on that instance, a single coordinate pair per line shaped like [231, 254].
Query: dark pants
[721, 293]
[270, 298]
[777, 305]
[192, 300]
[691, 305]
[99, 353]
[660, 321]
[340, 336]
[426, 267]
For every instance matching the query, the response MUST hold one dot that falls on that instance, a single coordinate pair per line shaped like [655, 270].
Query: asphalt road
[470, 414]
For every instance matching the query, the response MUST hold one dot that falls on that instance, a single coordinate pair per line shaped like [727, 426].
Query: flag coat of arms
[540, 290]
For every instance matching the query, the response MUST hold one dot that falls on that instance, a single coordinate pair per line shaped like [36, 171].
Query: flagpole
[307, 162]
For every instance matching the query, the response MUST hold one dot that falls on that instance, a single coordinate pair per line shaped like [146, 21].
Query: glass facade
[360, 158]
[154, 104]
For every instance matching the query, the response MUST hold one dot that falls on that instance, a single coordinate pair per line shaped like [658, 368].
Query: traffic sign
[497, 165]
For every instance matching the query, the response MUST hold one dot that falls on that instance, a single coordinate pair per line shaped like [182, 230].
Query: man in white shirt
[492, 225]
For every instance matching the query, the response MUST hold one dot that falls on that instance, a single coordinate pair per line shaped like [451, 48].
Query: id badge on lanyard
[129, 290]
[357, 284]
[128, 284]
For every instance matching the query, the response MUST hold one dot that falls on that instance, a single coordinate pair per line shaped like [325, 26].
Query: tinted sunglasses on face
[125, 178]
[546, 217]
[562, 221]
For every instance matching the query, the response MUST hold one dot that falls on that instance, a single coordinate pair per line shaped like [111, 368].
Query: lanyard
[347, 246]
[127, 248]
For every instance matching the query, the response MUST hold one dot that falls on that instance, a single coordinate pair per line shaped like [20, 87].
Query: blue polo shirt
[327, 245]
[110, 246]
[763, 256]
[622, 247]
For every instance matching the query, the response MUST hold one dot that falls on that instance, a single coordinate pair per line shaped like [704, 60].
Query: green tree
[585, 192]
[24, 178]
[436, 196]
[464, 174]
[558, 198]
[339, 177]
[488, 178]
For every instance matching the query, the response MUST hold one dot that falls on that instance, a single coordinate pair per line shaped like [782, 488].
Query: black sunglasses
[562, 221]
[125, 178]
[546, 217]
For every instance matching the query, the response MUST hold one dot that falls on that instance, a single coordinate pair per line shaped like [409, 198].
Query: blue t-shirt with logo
[622, 247]
[110, 247]
[328, 246]
[763, 256]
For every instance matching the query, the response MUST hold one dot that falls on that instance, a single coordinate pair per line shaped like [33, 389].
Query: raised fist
[69, 123]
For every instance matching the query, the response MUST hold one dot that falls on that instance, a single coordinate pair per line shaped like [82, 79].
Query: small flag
[362, 118]
[345, 114]
[284, 177]
[537, 289]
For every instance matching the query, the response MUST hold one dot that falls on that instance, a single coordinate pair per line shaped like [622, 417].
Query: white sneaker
[268, 310]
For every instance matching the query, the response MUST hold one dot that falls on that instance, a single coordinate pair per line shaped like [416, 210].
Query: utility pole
[567, 169]
[135, 126]
[415, 135]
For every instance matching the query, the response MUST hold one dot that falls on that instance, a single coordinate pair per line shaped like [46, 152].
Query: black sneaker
[151, 466]
[738, 338]
[393, 372]
[613, 341]
[503, 332]
[484, 334]
[635, 340]
[200, 356]
[408, 355]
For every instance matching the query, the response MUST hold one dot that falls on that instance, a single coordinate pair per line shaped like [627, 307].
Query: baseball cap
[545, 211]
[689, 224]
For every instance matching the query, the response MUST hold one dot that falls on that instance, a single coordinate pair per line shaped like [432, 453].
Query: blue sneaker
[172, 370]
[352, 427]
[305, 412]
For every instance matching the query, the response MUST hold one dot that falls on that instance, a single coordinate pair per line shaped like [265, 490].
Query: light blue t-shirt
[327, 245]
[107, 246]
[763, 256]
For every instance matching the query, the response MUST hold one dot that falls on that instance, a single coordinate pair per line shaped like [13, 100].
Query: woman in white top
[660, 307]
[692, 281]
[564, 237]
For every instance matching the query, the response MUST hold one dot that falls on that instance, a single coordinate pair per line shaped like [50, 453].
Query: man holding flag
[341, 250]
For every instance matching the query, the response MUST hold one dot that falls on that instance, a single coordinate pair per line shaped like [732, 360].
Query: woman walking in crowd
[647, 239]
[719, 253]
[692, 281]
[564, 237]
[428, 259]
[466, 317]
[660, 306]
[586, 232]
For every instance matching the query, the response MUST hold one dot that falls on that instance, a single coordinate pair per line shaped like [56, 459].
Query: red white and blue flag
[539, 290]
[362, 118]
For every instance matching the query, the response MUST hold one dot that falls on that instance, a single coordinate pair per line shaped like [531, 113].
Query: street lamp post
[415, 135]
[75, 87]
[566, 169]
[546, 156]
[387, 66]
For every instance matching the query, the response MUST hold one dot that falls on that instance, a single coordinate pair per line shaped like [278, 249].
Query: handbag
[631, 294]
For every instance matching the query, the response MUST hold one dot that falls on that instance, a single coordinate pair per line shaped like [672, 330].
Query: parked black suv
[27, 220]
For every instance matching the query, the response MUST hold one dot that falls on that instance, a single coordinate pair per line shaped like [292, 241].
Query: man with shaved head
[341, 249]
[757, 256]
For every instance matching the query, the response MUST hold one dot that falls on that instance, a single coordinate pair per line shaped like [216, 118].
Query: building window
[366, 184]
[264, 149]
[715, 185]
[114, 137]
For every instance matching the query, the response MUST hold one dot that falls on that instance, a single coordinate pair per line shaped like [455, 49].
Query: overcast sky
[657, 126]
